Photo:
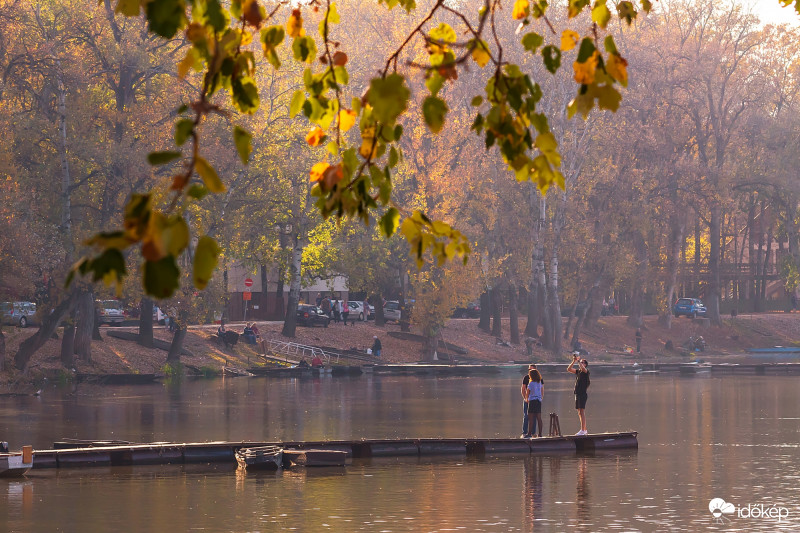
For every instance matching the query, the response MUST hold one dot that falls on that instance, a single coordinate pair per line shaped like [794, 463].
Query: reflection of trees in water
[534, 486]
[582, 490]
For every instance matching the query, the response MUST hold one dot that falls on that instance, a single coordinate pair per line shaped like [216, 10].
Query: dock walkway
[220, 452]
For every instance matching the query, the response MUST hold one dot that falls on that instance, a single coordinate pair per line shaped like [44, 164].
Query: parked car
[311, 315]
[110, 311]
[357, 310]
[391, 311]
[18, 313]
[690, 307]
[472, 310]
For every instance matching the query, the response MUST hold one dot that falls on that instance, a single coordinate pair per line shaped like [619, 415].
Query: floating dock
[162, 453]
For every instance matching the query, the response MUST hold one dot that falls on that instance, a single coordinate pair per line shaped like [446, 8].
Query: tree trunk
[176, 347]
[84, 325]
[68, 345]
[636, 314]
[486, 312]
[513, 314]
[576, 333]
[405, 323]
[289, 321]
[497, 317]
[714, 266]
[2, 350]
[146, 323]
[552, 292]
[573, 313]
[430, 347]
[677, 227]
[29, 346]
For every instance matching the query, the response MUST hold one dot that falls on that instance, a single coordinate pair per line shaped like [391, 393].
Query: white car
[357, 310]
[391, 311]
[110, 311]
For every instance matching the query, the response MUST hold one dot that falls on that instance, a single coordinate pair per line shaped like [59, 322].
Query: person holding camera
[581, 387]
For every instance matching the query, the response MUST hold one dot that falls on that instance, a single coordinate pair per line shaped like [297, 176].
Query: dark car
[472, 310]
[690, 307]
[311, 315]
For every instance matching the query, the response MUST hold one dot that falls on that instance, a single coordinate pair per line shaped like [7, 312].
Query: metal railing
[299, 351]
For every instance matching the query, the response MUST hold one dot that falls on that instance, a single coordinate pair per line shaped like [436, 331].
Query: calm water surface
[703, 437]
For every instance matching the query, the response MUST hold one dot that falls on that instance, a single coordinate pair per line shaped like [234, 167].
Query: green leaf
[183, 130]
[271, 38]
[165, 17]
[296, 105]
[390, 221]
[532, 41]
[196, 191]
[175, 235]
[394, 157]
[443, 33]
[129, 8]
[161, 278]
[304, 49]
[476, 101]
[586, 50]
[162, 158]
[434, 110]
[244, 94]
[388, 98]
[434, 82]
[610, 45]
[600, 13]
[626, 11]
[215, 15]
[552, 58]
[205, 261]
[243, 141]
[209, 175]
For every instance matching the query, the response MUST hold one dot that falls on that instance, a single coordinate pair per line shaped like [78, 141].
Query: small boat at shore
[260, 458]
[16, 464]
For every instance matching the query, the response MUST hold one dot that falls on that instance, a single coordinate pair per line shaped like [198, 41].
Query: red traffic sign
[248, 282]
[247, 296]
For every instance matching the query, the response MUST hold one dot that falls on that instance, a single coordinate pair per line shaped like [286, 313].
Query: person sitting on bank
[303, 363]
[316, 362]
[581, 387]
[248, 335]
[221, 332]
[376, 346]
[255, 331]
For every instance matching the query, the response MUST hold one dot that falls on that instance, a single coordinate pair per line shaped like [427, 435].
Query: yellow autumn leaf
[617, 68]
[315, 136]
[368, 146]
[569, 39]
[318, 171]
[585, 71]
[294, 27]
[480, 55]
[521, 9]
[347, 117]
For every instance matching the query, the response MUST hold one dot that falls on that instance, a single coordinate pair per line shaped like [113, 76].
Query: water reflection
[737, 438]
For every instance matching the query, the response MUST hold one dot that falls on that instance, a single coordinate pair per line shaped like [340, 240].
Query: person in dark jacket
[376, 346]
[581, 387]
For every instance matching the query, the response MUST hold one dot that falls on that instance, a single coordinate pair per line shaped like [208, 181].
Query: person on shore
[535, 396]
[376, 346]
[319, 299]
[316, 362]
[248, 335]
[256, 332]
[337, 310]
[326, 306]
[638, 340]
[346, 313]
[581, 387]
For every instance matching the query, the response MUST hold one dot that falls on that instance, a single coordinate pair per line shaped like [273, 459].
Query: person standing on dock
[524, 392]
[535, 396]
[581, 387]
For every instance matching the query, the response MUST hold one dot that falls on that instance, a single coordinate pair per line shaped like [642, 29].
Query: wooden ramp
[62, 456]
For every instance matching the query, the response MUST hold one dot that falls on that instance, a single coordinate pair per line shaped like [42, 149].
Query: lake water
[700, 438]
